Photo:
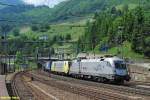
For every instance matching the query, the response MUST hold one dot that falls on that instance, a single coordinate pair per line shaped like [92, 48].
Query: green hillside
[56, 30]
[64, 11]
[93, 22]
[81, 8]
[125, 49]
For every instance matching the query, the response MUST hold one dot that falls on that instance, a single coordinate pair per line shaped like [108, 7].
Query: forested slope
[66, 10]
[112, 23]
[115, 27]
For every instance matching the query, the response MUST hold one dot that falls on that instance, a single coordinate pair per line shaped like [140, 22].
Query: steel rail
[84, 91]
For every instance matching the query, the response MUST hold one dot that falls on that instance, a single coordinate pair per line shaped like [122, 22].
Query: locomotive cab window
[120, 65]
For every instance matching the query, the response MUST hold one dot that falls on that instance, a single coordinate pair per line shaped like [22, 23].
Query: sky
[49, 3]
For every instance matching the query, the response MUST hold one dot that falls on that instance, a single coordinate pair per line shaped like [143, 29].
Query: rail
[87, 91]
[125, 89]
[13, 85]
[20, 89]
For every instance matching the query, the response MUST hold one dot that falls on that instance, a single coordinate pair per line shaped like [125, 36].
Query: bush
[147, 52]
[68, 37]
[16, 32]
[34, 28]
[146, 48]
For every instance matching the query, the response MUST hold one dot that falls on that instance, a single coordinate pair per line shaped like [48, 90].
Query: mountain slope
[12, 2]
[81, 7]
[66, 10]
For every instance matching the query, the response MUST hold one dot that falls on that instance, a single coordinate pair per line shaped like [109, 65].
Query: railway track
[23, 90]
[20, 89]
[121, 89]
[88, 91]
[140, 83]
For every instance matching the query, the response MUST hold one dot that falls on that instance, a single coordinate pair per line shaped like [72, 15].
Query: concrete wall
[139, 73]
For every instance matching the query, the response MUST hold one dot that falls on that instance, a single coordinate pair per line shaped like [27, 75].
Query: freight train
[108, 69]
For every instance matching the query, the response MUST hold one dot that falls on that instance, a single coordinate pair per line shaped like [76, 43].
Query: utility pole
[5, 30]
[37, 54]
[5, 46]
[140, 3]
[49, 53]
[4, 43]
[120, 32]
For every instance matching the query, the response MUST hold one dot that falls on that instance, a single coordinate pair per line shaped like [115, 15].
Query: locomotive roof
[102, 59]
[114, 58]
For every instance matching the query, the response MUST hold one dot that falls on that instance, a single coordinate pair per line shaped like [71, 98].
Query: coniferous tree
[138, 36]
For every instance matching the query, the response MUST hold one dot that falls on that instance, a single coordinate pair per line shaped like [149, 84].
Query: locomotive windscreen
[120, 65]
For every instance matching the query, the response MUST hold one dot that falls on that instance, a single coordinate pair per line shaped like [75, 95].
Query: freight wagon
[47, 66]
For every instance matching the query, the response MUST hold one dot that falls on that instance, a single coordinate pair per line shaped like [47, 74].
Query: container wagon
[47, 66]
